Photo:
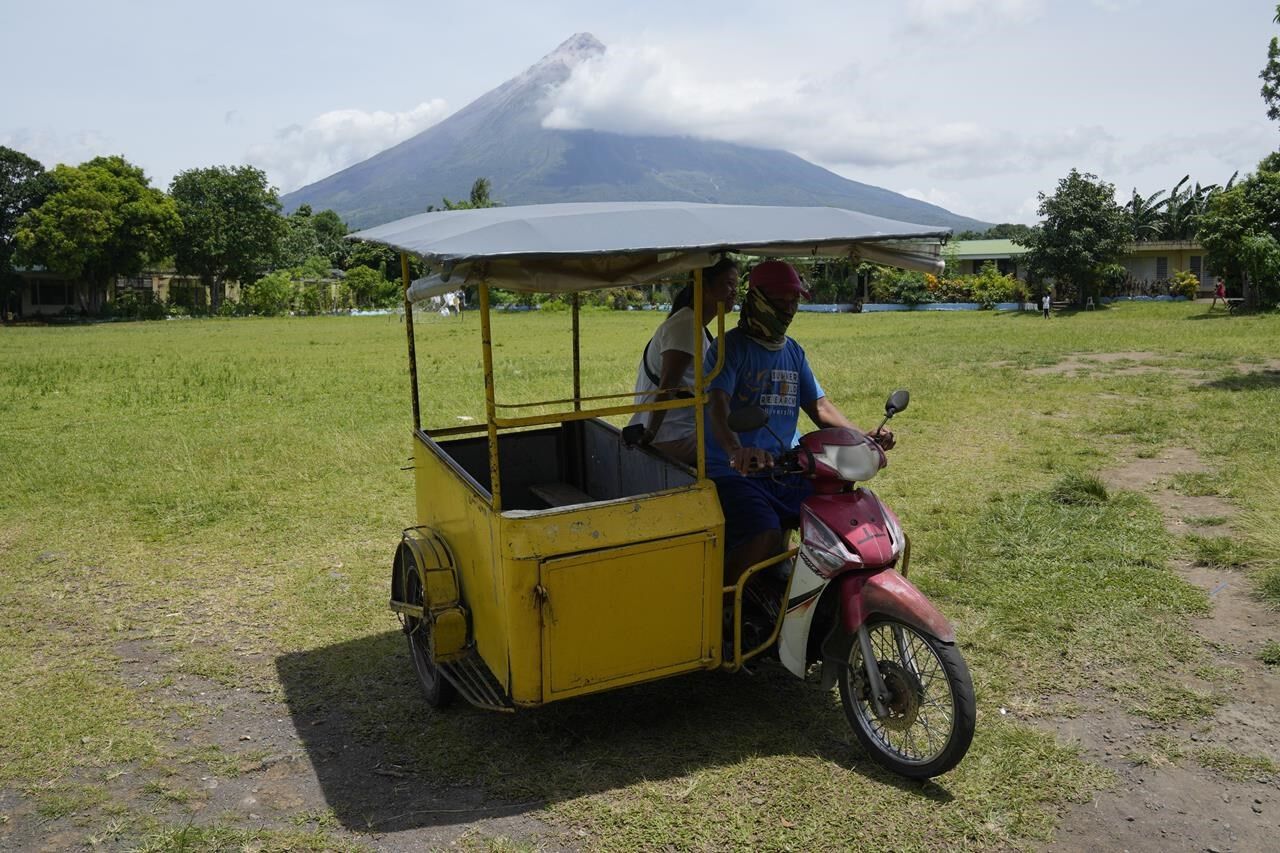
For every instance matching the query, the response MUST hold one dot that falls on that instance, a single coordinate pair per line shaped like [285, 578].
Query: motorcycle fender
[802, 599]
[887, 593]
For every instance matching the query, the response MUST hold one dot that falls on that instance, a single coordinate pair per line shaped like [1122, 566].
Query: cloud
[829, 119]
[1239, 147]
[936, 13]
[52, 148]
[302, 153]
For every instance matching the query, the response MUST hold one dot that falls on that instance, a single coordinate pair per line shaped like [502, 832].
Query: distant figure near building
[1219, 292]
[1046, 302]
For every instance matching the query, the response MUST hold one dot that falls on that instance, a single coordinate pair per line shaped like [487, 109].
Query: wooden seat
[560, 494]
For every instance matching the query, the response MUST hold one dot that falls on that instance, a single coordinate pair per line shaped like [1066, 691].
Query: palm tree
[1146, 214]
[1184, 207]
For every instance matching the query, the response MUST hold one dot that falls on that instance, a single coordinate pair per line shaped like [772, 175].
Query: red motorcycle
[904, 685]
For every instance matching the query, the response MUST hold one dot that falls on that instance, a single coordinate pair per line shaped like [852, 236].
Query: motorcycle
[903, 683]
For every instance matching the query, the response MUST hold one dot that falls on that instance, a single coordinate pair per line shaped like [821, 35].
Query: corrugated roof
[967, 249]
[561, 248]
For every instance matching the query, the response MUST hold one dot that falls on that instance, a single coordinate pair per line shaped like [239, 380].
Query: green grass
[1194, 484]
[1079, 489]
[1204, 520]
[1270, 654]
[1219, 552]
[1233, 765]
[221, 498]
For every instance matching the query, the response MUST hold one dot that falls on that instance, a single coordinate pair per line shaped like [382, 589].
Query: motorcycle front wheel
[931, 711]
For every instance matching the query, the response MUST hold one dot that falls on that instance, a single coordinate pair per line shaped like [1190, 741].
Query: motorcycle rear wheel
[931, 710]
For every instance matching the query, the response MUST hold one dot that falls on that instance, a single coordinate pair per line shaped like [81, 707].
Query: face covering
[762, 322]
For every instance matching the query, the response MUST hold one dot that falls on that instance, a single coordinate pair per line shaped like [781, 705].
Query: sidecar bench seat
[560, 494]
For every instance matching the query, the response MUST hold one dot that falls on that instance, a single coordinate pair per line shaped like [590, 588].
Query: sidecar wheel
[931, 712]
[436, 689]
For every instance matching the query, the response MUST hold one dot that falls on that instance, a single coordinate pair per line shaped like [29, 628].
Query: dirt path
[1167, 797]
[248, 760]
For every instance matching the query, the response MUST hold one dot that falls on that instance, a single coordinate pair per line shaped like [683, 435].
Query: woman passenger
[667, 363]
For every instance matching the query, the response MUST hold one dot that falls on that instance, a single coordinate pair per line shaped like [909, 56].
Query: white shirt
[1044, 303]
[676, 333]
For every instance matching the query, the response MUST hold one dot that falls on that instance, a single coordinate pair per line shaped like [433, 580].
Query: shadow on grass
[1213, 314]
[1258, 380]
[387, 762]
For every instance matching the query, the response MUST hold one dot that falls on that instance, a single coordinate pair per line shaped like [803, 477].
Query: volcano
[500, 136]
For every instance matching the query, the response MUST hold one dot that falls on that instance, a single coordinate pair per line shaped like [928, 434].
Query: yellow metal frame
[512, 566]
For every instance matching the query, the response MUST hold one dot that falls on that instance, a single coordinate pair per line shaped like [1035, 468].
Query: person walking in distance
[1046, 302]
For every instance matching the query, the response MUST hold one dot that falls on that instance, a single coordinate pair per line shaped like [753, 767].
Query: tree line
[103, 219]
[1084, 231]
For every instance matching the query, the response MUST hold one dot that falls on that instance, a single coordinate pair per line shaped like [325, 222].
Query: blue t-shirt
[780, 382]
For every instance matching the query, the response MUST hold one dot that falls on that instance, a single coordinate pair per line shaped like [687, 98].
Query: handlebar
[784, 463]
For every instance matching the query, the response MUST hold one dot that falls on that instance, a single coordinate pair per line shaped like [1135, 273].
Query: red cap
[777, 279]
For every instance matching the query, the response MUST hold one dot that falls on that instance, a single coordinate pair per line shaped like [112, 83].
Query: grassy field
[215, 503]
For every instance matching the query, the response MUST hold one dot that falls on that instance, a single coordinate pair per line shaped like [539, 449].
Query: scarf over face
[762, 321]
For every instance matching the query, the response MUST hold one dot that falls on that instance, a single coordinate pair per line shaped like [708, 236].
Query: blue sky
[972, 104]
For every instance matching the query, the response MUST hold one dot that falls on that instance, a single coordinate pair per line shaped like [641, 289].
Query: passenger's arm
[741, 459]
[670, 377]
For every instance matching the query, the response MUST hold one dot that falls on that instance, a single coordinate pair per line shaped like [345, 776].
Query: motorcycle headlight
[858, 462]
[825, 546]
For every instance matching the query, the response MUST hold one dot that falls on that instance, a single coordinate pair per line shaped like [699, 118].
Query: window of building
[50, 293]
[1197, 266]
[1162, 268]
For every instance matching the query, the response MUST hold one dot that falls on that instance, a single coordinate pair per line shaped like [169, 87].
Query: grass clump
[1079, 489]
[1270, 654]
[1204, 520]
[1233, 765]
[1219, 552]
[1194, 485]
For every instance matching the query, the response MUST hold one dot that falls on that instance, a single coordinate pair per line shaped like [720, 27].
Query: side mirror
[897, 402]
[747, 419]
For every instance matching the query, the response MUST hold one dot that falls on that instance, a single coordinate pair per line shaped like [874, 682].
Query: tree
[309, 235]
[330, 229]
[479, 198]
[1084, 231]
[101, 219]
[24, 185]
[365, 284]
[231, 225]
[1270, 75]
[1239, 229]
[1146, 215]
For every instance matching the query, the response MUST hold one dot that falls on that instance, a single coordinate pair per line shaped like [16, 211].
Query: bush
[895, 285]
[271, 295]
[990, 287]
[131, 305]
[364, 285]
[1184, 284]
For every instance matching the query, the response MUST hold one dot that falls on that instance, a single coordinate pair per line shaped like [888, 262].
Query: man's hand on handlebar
[748, 460]
[884, 438]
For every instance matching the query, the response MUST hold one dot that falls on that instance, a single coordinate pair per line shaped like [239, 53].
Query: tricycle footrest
[476, 683]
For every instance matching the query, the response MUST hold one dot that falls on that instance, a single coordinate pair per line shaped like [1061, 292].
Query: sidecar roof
[560, 248]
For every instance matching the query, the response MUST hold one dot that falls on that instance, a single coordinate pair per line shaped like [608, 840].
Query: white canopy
[561, 248]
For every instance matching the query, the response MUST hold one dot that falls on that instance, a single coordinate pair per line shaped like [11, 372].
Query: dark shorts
[755, 504]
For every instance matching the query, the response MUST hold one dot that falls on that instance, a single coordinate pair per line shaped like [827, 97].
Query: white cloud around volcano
[328, 143]
[837, 120]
